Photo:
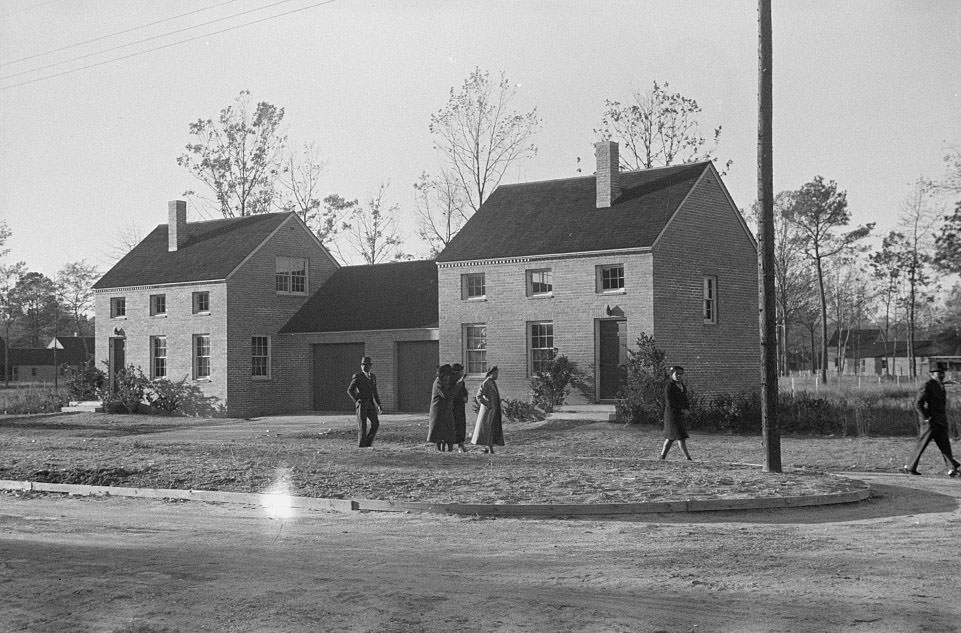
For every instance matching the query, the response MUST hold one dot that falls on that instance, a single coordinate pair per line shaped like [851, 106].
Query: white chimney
[176, 224]
[608, 169]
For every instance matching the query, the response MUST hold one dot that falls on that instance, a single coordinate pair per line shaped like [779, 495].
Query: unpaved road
[112, 565]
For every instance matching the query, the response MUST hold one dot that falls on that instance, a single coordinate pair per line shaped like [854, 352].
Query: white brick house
[584, 265]
[205, 301]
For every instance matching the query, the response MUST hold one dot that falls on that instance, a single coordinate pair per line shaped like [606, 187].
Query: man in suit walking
[363, 391]
[931, 405]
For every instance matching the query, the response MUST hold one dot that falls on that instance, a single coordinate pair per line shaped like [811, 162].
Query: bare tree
[75, 283]
[657, 128]
[239, 156]
[372, 233]
[441, 209]
[480, 136]
[10, 276]
[818, 210]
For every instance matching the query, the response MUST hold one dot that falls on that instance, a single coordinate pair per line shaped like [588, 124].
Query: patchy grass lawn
[555, 461]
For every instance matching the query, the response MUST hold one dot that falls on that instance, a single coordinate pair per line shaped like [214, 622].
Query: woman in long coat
[440, 430]
[460, 402]
[675, 405]
[489, 429]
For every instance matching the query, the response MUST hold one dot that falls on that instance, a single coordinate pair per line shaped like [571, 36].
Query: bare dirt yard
[114, 565]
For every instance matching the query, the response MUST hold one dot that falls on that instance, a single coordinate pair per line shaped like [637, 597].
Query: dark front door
[611, 355]
[117, 359]
[416, 366]
[334, 364]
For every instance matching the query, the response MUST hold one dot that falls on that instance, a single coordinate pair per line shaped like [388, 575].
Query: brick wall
[255, 308]
[178, 324]
[706, 237]
[574, 309]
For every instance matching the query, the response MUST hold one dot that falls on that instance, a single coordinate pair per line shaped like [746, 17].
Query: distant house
[582, 266]
[385, 311]
[205, 301]
[865, 352]
[43, 364]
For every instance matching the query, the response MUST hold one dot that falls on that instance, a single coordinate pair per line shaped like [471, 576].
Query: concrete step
[594, 412]
[89, 406]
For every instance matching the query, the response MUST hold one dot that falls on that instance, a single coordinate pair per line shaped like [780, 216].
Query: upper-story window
[473, 286]
[201, 302]
[610, 278]
[118, 307]
[158, 305]
[710, 299]
[291, 275]
[540, 282]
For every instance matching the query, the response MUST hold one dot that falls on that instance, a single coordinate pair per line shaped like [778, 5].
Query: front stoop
[587, 412]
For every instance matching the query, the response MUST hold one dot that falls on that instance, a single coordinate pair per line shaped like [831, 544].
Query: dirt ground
[112, 565]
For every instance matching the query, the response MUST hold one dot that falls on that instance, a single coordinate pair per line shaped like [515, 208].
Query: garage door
[334, 364]
[416, 365]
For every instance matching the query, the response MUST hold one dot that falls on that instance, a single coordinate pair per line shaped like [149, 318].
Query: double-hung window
[540, 346]
[260, 356]
[201, 302]
[158, 305]
[118, 307]
[158, 356]
[540, 283]
[710, 299]
[201, 356]
[291, 275]
[473, 286]
[475, 348]
[610, 278]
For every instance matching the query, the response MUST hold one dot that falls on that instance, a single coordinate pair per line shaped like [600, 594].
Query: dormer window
[291, 277]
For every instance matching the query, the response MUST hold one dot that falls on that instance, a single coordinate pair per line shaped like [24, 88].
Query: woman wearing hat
[440, 427]
[675, 405]
[461, 397]
[489, 430]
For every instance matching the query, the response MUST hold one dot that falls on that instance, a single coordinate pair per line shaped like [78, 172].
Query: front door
[117, 360]
[611, 356]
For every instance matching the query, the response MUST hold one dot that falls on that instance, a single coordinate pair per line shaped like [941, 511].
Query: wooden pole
[765, 194]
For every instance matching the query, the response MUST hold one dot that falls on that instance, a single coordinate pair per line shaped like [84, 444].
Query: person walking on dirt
[675, 405]
[931, 405]
[363, 391]
[460, 407]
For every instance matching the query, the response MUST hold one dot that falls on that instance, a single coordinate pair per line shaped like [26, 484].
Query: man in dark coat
[931, 405]
[363, 391]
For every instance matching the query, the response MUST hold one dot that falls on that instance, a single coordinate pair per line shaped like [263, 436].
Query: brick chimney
[176, 224]
[608, 167]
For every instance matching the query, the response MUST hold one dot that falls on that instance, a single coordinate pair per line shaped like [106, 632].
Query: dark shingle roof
[560, 216]
[75, 349]
[374, 297]
[212, 251]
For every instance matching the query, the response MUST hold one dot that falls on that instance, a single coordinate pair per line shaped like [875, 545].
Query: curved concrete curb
[482, 509]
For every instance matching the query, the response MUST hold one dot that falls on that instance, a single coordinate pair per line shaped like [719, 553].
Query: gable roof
[74, 349]
[211, 251]
[390, 296]
[560, 216]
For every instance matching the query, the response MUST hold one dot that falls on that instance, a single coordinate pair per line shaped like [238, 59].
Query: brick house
[584, 265]
[385, 311]
[206, 300]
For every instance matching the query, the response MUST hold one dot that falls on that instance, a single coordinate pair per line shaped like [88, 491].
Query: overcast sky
[865, 93]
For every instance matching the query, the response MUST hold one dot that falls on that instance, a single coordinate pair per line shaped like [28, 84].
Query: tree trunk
[824, 321]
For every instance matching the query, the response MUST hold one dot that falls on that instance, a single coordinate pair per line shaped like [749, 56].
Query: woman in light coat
[489, 429]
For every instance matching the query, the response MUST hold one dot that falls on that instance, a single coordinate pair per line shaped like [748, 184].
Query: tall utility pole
[765, 195]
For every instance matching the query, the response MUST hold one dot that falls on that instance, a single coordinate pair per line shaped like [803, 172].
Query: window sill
[617, 291]
[201, 313]
[206, 379]
[159, 316]
[291, 294]
[484, 298]
[261, 378]
[547, 295]
[119, 318]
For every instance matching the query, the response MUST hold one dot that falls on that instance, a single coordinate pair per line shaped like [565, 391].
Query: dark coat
[675, 403]
[441, 418]
[362, 390]
[460, 412]
[932, 403]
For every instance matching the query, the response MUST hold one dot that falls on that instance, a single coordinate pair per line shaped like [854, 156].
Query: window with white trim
[260, 356]
[710, 299]
[158, 356]
[158, 305]
[118, 307]
[540, 346]
[475, 348]
[610, 278]
[473, 286]
[540, 282]
[291, 275]
[201, 302]
[201, 356]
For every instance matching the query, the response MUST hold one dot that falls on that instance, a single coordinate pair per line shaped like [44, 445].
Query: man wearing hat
[363, 391]
[931, 405]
